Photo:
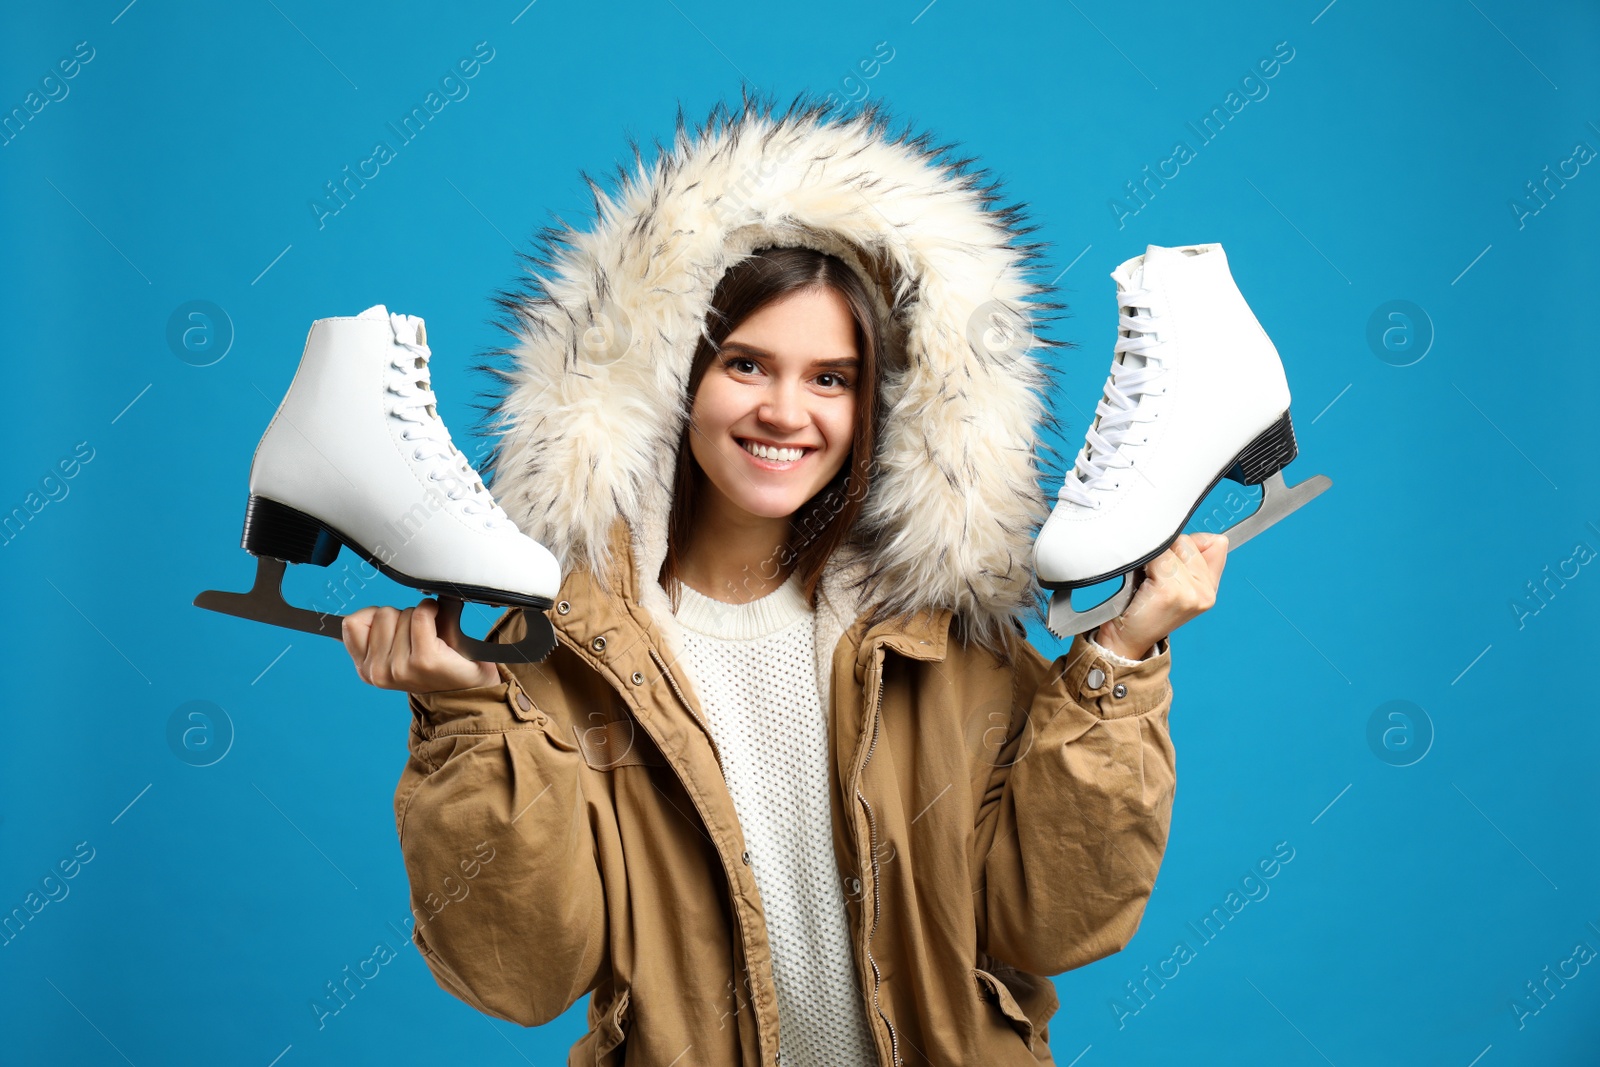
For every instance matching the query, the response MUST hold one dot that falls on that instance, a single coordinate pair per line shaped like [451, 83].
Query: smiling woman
[789, 362]
[792, 786]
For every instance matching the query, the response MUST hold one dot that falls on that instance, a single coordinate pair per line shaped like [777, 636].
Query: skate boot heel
[1268, 454]
[280, 532]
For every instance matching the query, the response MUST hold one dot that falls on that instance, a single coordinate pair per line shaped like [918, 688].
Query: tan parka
[569, 830]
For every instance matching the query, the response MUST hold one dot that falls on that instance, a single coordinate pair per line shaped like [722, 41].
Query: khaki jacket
[569, 830]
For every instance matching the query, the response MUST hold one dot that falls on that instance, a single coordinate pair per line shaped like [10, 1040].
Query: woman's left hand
[1178, 585]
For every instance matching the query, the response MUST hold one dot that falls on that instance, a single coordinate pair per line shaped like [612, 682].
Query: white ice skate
[358, 455]
[1196, 394]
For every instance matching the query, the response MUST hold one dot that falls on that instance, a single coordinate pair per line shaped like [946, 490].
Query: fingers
[1165, 566]
[440, 647]
[1203, 556]
[376, 661]
[355, 632]
[427, 651]
[409, 650]
[1215, 552]
[1178, 585]
[1184, 576]
[400, 648]
[423, 631]
[1198, 570]
[1176, 564]
[1205, 565]
[448, 626]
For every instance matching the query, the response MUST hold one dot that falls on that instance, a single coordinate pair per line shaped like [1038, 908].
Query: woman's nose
[782, 407]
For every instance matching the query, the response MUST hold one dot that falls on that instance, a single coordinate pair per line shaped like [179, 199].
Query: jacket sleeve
[1122, 661]
[506, 891]
[1074, 822]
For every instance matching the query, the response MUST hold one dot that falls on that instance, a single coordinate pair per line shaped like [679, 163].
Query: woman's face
[785, 377]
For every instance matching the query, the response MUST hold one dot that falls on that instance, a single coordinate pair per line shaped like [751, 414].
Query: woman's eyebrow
[850, 362]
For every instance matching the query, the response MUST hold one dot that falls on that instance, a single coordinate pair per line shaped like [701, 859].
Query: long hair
[823, 523]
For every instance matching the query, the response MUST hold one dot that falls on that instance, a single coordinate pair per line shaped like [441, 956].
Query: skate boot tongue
[408, 329]
[412, 400]
[1130, 279]
[1135, 373]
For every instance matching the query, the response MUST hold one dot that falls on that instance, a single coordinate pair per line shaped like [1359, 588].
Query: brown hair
[823, 523]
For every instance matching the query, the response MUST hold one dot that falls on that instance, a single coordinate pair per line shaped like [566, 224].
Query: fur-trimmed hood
[604, 326]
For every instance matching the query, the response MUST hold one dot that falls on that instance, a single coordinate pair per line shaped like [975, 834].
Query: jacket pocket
[1031, 1021]
[602, 1046]
[611, 743]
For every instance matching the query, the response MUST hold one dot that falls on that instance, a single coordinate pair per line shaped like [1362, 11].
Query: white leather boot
[1196, 393]
[357, 455]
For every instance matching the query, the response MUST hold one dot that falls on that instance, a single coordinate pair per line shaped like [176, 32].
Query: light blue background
[1380, 166]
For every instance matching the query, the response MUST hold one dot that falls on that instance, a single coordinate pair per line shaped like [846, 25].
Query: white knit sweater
[755, 664]
[756, 667]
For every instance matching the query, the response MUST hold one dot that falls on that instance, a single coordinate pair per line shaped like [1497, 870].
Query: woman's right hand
[406, 650]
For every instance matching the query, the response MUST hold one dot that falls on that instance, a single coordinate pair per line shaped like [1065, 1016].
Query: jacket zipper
[872, 843]
[673, 682]
[661, 664]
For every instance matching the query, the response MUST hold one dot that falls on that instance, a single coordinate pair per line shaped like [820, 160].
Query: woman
[792, 765]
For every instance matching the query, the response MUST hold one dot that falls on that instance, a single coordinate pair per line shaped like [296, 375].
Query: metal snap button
[563, 607]
[745, 855]
[855, 885]
[1119, 691]
[638, 679]
[598, 644]
[1097, 678]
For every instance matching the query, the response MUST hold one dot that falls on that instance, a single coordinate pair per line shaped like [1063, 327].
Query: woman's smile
[767, 457]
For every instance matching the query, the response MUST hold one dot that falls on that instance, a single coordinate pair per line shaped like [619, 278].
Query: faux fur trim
[604, 325]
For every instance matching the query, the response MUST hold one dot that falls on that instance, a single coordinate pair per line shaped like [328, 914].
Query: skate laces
[412, 400]
[1133, 377]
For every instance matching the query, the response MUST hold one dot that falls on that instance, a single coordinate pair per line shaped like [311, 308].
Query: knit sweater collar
[768, 614]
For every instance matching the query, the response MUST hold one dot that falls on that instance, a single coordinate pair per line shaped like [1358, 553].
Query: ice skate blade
[264, 603]
[1065, 622]
[1278, 501]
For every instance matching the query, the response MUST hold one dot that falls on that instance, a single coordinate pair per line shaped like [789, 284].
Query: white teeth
[776, 455]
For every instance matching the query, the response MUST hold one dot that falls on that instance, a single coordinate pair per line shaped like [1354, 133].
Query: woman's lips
[773, 465]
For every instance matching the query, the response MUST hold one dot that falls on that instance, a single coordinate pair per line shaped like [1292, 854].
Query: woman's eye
[838, 379]
[737, 360]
